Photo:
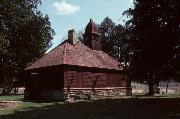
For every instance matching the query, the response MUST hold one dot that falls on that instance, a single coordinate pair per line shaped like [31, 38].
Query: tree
[122, 44]
[80, 36]
[106, 30]
[155, 27]
[25, 35]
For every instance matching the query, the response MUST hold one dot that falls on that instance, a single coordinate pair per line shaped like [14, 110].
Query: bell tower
[92, 37]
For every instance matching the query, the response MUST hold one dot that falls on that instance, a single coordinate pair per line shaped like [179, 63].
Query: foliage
[80, 36]
[106, 30]
[25, 35]
[122, 44]
[155, 25]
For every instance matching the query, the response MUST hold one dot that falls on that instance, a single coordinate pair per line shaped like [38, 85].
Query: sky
[65, 15]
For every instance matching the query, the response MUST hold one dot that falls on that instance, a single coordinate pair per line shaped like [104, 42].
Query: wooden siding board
[76, 79]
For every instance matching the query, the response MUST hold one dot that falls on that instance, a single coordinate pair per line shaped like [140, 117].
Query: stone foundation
[77, 92]
[105, 92]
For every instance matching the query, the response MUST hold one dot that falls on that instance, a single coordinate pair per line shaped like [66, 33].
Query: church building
[73, 68]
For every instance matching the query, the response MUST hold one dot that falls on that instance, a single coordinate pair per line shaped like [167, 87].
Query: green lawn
[136, 107]
[12, 98]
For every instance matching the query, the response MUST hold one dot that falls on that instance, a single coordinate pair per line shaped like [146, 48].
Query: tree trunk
[167, 85]
[151, 87]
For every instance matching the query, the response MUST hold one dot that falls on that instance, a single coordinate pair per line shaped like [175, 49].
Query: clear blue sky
[75, 14]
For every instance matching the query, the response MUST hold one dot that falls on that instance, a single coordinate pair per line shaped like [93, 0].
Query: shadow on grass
[133, 108]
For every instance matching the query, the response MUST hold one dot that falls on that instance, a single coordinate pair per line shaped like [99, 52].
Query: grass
[12, 98]
[136, 107]
[157, 96]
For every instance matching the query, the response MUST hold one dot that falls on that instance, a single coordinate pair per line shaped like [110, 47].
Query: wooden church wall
[77, 79]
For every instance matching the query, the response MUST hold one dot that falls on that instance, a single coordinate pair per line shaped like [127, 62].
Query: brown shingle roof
[79, 55]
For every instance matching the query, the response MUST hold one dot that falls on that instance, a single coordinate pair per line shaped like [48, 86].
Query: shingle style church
[73, 67]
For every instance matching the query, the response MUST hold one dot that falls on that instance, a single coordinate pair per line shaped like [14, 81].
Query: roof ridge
[64, 54]
[65, 41]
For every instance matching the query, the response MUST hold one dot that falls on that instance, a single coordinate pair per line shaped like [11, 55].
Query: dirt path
[7, 104]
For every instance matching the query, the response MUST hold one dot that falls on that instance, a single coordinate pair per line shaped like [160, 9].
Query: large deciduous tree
[116, 41]
[106, 30]
[25, 35]
[155, 25]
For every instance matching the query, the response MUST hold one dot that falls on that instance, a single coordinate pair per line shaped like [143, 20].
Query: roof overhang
[75, 68]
